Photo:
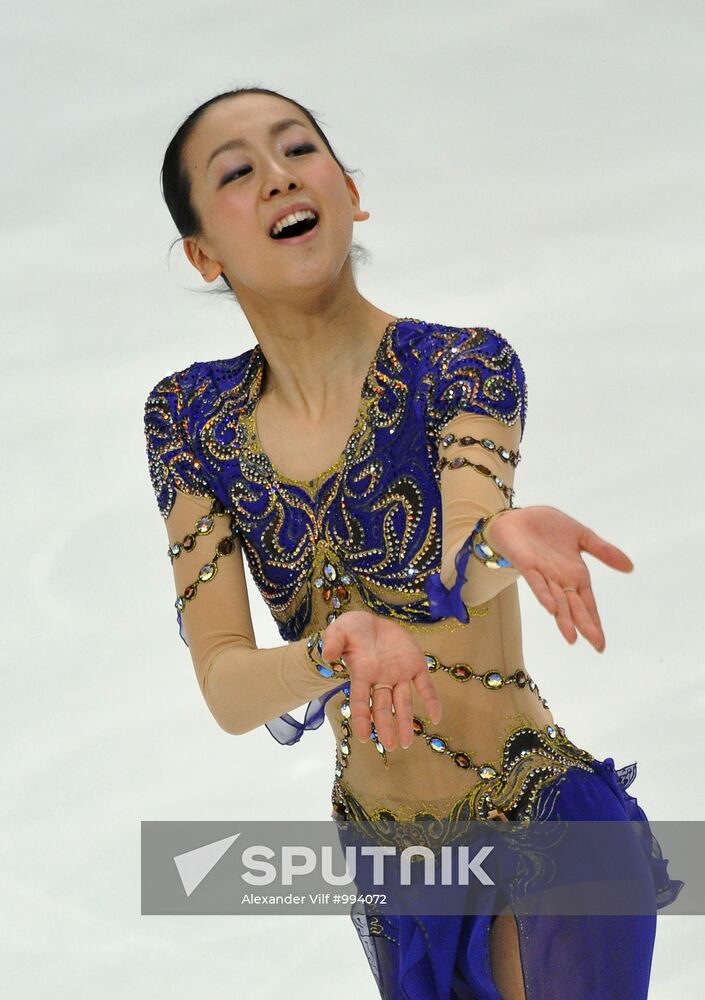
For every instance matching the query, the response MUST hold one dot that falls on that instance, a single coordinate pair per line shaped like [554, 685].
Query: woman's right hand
[378, 650]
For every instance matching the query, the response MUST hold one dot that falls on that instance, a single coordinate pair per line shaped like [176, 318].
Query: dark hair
[176, 186]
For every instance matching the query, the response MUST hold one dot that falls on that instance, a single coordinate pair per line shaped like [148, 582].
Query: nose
[290, 186]
[280, 178]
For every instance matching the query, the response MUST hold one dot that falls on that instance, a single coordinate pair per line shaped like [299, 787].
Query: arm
[467, 494]
[542, 544]
[243, 686]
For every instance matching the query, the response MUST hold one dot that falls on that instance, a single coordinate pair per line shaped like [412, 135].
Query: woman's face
[238, 191]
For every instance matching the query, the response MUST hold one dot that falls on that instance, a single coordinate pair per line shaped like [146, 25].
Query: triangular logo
[193, 866]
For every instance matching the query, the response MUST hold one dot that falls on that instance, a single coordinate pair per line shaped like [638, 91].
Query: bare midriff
[475, 719]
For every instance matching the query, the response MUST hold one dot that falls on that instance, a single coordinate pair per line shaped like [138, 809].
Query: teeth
[289, 220]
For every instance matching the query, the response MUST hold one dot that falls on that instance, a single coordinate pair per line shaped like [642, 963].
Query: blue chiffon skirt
[583, 957]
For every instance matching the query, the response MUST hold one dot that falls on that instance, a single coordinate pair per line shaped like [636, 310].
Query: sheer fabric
[435, 446]
[243, 686]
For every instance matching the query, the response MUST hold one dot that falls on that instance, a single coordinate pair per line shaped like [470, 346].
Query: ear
[359, 215]
[210, 269]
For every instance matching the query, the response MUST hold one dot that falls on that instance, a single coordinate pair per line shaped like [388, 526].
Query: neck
[315, 353]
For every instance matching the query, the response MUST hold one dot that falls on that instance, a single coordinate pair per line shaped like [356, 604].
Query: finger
[360, 708]
[563, 616]
[403, 703]
[538, 584]
[427, 692]
[334, 639]
[583, 620]
[605, 551]
[383, 718]
[586, 595]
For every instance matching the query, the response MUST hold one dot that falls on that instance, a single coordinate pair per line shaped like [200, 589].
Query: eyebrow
[274, 129]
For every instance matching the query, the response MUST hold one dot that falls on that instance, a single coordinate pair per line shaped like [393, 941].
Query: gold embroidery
[529, 760]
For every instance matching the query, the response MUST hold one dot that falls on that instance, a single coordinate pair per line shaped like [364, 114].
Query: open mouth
[296, 229]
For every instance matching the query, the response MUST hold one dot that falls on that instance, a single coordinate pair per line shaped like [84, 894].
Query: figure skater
[365, 464]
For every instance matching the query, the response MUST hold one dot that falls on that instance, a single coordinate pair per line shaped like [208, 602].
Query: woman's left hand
[544, 545]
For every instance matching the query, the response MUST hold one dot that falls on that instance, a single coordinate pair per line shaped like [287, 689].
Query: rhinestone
[326, 592]
[345, 748]
[461, 759]
[225, 546]
[319, 646]
[492, 679]
[468, 439]
[338, 771]
[447, 440]
[345, 729]
[344, 761]
[532, 685]
[487, 771]
[331, 617]
[318, 582]
[189, 542]
[346, 580]
[431, 662]
[520, 678]
[411, 571]
[457, 462]
[180, 604]
[551, 731]
[504, 453]
[204, 524]
[437, 744]
[345, 710]
[418, 726]
[487, 443]
[544, 703]
[330, 572]
[336, 601]
[176, 548]
[346, 690]
[207, 572]
[324, 671]
[190, 592]
[380, 746]
[460, 672]
[309, 642]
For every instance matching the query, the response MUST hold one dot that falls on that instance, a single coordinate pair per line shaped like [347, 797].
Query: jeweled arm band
[460, 460]
[203, 526]
[482, 549]
[513, 457]
[336, 668]
[224, 547]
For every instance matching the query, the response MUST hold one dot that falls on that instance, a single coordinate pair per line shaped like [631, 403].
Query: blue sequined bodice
[378, 508]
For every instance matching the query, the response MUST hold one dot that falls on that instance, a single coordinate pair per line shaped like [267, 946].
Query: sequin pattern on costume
[374, 514]
[530, 759]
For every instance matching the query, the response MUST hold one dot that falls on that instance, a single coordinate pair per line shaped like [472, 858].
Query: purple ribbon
[447, 602]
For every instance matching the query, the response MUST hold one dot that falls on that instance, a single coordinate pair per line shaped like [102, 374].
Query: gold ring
[376, 687]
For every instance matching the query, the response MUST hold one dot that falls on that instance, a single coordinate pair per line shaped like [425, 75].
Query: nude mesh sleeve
[467, 495]
[243, 686]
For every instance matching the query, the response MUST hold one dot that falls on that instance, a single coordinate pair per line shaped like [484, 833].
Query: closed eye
[306, 147]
